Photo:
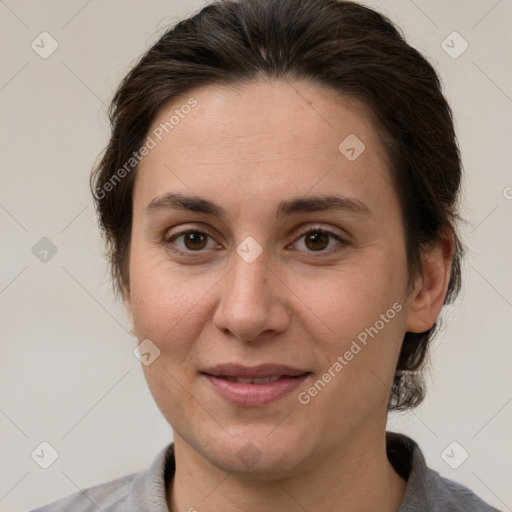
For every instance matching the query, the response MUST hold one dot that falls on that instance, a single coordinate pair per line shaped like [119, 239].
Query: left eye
[316, 240]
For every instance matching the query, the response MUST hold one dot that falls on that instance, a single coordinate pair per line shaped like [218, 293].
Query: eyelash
[169, 241]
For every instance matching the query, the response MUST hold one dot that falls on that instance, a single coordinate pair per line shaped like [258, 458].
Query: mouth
[254, 386]
[256, 380]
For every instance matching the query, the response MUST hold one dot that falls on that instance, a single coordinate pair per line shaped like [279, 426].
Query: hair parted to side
[337, 44]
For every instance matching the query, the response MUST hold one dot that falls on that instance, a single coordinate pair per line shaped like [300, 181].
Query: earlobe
[431, 286]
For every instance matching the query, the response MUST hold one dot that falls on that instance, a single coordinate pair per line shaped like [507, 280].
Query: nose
[253, 301]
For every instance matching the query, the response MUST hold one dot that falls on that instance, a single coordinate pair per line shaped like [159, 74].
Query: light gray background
[68, 375]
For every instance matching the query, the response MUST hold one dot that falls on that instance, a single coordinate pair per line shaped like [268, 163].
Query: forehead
[264, 138]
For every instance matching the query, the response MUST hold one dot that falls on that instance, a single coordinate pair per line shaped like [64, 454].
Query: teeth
[261, 380]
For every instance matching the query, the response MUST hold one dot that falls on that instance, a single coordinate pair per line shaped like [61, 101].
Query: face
[261, 248]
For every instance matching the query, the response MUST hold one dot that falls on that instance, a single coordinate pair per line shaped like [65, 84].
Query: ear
[431, 285]
[127, 301]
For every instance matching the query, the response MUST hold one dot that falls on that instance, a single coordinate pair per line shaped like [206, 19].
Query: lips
[254, 386]
[253, 372]
[257, 380]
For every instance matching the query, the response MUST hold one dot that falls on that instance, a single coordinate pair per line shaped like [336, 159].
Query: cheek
[163, 301]
[354, 296]
[362, 307]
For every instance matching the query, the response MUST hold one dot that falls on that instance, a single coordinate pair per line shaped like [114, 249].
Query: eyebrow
[177, 201]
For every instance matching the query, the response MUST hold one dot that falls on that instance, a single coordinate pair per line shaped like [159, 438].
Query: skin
[247, 148]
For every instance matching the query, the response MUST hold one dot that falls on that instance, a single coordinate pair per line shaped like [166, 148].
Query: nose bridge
[248, 283]
[250, 302]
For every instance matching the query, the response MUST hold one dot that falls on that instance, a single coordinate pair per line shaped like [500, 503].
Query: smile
[253, 386]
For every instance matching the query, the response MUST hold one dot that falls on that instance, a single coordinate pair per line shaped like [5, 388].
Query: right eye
[190, 241]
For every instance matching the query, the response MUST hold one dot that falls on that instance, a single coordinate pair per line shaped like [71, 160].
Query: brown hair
[337, 44]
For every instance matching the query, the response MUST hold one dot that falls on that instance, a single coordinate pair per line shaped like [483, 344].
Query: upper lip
[253, 372]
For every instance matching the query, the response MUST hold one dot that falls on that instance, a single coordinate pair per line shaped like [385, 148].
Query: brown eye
[316, 240]
[319, 240]
[190, 241]
[195, 240]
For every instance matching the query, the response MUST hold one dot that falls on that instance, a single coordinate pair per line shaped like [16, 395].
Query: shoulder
[107, 497]
[426, 489]
[458, 495]
[126, 494]
[447, 496]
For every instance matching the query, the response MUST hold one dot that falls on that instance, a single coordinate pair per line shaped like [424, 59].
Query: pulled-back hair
[340, 45]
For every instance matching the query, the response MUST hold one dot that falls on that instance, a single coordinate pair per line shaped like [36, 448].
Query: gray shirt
[145, 491]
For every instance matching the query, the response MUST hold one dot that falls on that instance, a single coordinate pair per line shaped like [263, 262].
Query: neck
[354, 479]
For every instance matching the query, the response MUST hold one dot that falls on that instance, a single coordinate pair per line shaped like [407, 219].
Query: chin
[266, 466]
[258, 455]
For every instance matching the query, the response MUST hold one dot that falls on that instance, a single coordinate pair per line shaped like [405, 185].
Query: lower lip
[254, 395]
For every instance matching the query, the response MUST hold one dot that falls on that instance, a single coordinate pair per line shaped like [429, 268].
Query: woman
[279, 196]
